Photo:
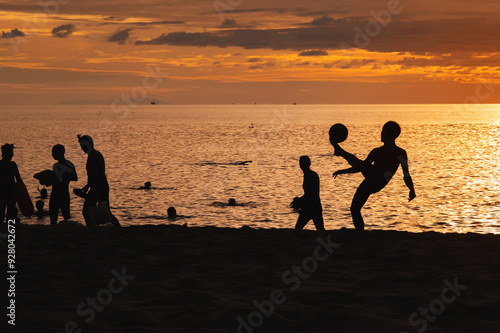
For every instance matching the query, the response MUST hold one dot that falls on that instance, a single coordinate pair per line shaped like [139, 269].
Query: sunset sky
[242, 51]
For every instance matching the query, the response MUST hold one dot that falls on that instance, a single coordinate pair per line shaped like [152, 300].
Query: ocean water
[189, 153]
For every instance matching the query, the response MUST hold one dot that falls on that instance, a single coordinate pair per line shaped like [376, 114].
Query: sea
[193, 154]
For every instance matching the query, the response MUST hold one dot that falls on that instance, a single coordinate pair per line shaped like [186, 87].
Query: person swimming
[172, 213]
[147, 186]
[40, 213]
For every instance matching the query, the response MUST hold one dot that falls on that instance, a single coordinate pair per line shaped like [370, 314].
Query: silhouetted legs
[88, 219]
[9, 203]
[306, 217]
[362, 193]
[360, 197]
[59, 201]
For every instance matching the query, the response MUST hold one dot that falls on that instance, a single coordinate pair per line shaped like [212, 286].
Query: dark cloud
[13, 34]
[156, 23]
[254, 60]
[323, 12]
[262, 65]
[232, 24]
[321, 21]
[114, 18]
[221, 10]
[346, 64]
[313, 53]
[121, 36]
[63, 31]
[417, 37]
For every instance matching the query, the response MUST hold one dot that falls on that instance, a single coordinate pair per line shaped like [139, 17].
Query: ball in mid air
[338, 133]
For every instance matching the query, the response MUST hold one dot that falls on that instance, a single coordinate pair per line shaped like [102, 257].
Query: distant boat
[251, 126]
[153, 103]
[294, 103]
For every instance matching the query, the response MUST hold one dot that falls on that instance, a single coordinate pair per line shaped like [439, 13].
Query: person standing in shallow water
[97, 188]
[59, 197]
[9, 175]
[310, 203]
[378, 169]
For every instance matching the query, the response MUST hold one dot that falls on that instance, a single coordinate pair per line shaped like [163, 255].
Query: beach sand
[182, 279]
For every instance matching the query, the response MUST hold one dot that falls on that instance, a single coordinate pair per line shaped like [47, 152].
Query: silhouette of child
[59, 197]
[43, 193]
[378, 169]
[9, 175]
[309, 203]
[40, 213]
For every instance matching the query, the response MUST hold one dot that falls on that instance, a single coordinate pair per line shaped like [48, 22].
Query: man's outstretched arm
[350, 170]
[407, 177]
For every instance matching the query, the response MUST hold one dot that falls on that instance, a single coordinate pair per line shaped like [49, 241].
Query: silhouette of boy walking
[309, 203]
[378, 169]
[59, 197]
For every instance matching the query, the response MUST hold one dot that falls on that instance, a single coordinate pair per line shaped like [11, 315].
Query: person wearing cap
[9, 176]
[97, 188]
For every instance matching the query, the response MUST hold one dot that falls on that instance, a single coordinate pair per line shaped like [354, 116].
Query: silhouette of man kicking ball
[378, 169]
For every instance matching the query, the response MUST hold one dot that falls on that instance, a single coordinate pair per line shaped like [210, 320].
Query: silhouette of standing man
[309, 203]
[97, 188]
[9, 175]
[378, 169]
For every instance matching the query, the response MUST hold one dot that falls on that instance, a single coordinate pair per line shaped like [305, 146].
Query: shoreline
[210, 279]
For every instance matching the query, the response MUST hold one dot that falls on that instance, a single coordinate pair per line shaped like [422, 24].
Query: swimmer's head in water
[232, 202]
[304, 162]
[171, 212]
[390, 131]
[7, 151]
[58, 152]
[39, 205]
[86, 143]
[147, 184]
[43, 193]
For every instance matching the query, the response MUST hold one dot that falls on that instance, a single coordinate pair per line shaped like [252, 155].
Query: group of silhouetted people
[378, 169]
[95, 192]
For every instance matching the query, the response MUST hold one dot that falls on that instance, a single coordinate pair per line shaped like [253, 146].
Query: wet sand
[181, 279]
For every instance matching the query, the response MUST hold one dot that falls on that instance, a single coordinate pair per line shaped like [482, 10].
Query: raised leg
[350, 158]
